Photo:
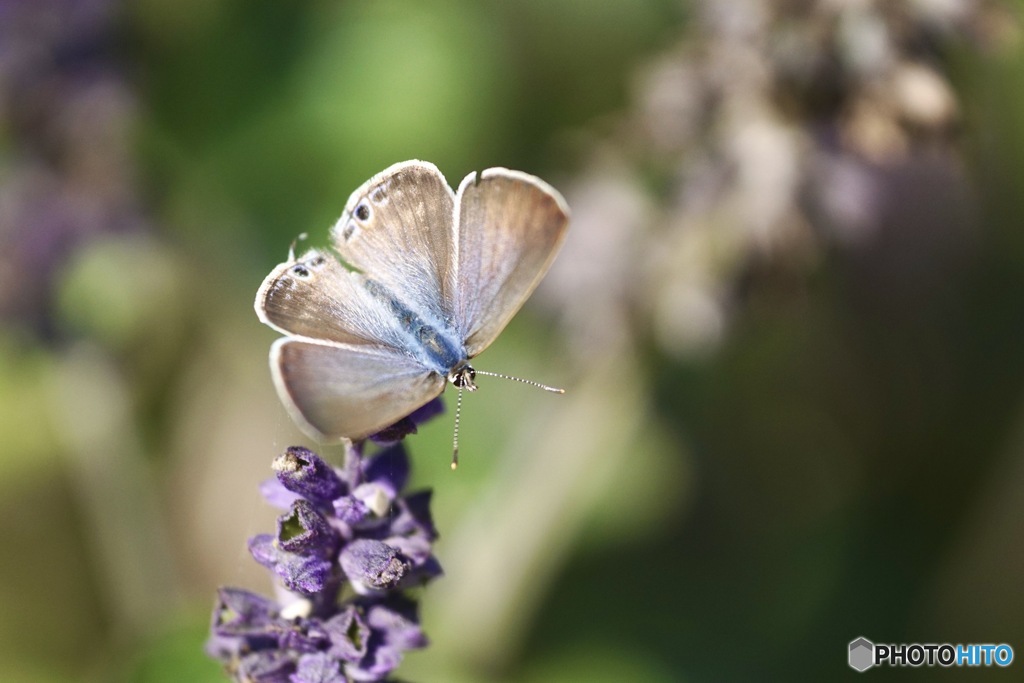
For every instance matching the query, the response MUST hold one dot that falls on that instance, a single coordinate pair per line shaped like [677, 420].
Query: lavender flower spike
[349, 542]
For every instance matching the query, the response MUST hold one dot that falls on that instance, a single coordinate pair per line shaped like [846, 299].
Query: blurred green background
[789, 317]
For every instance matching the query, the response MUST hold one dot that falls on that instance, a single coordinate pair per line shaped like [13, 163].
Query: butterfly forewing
[398, 229]
[315, 296]
[510, 226]
[334, 390]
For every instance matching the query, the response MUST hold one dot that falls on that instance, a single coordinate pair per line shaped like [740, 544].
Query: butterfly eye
[300, 270]
[363, 212]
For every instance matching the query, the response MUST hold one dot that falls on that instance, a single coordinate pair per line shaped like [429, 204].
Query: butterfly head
[462, 377]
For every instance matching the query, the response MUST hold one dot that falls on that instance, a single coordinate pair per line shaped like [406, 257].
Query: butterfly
[429, 279]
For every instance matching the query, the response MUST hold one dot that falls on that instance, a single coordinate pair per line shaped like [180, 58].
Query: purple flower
[373, 566]
[305, 531]
[302, 472]
[394, 628]
[300, 573]
[409, 424]
[347, 544]
[241, 621]
[69, 176]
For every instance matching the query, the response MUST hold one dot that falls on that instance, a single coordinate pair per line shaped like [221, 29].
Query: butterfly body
[433, 342]
[430, 278]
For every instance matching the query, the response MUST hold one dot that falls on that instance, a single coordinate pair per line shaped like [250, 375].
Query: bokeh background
[789, 315]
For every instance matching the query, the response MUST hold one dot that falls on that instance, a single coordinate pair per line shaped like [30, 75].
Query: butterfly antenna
[455, 445]
[545, 387]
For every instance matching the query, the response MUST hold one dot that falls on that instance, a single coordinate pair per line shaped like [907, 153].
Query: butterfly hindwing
[335, 390]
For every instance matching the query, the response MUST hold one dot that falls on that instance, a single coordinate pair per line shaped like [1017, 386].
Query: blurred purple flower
[767, 136]
[68, 168]
[347, 545]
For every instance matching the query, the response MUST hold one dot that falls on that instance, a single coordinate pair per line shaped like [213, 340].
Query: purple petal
[304, 472]
[348, 634]
[240, 612]
[427, 411]
[380, 660]
[241, 622]
[408, 424]
[415, 548]
[306, 574]
[263, 549]
[318, 668]
[226, 649]
[429, 569]
[418, 505]
[372, 565]
[304, 635]
[414, 516]
[277, 495]
[305, 531]
[267, 666]
[351, 510]
[398, 621]
[395, 432]
[389, 469]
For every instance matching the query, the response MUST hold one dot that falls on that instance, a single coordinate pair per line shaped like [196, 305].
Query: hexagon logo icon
[862, 654]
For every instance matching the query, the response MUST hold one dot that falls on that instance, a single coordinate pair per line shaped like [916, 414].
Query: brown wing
[510, 227]
[315, 296]
[336, 390]
[398, 229]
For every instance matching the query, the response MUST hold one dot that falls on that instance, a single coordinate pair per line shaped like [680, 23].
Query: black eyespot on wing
[300, 270]
[317, 261]
[363, 212]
